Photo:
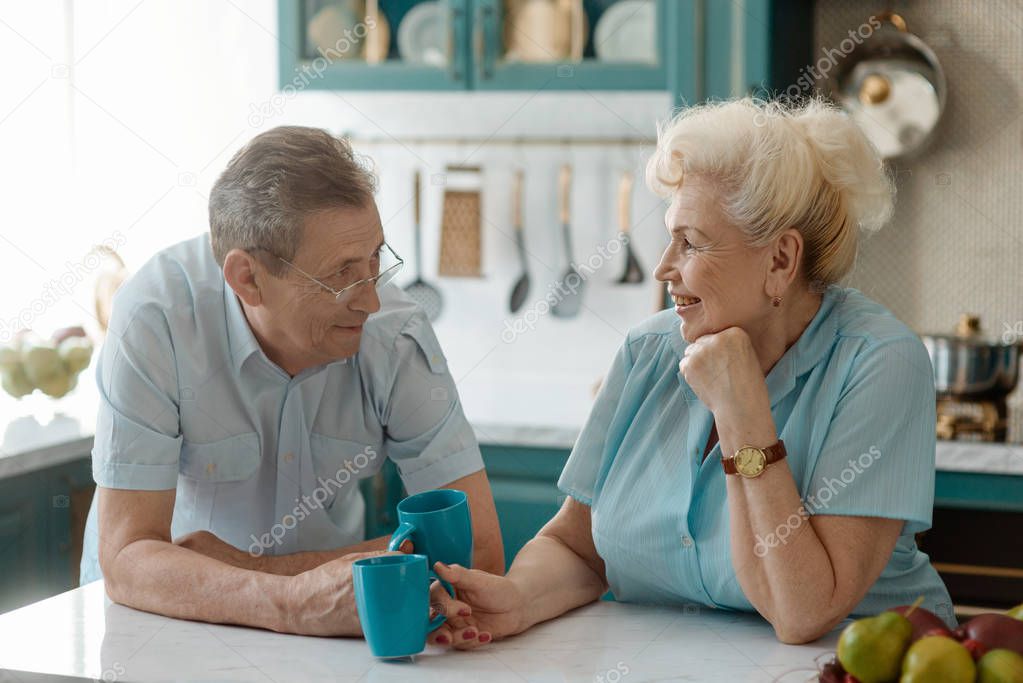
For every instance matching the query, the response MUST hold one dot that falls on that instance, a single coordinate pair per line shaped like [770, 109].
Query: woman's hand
[489, 607]
[724, 372]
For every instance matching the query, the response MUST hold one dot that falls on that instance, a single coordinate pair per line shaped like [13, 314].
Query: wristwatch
[750, 461]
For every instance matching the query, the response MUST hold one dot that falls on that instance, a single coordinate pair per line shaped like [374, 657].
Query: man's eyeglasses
[385, 264]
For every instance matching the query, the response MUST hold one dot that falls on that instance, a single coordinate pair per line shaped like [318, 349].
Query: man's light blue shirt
[268, 462]
[853, 400]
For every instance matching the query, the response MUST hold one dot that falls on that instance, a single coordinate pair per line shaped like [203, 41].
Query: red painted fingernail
[484, 637]
[469, 634]
[464, 612]
[443, 640]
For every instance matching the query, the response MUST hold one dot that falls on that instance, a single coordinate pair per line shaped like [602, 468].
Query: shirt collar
[803, 356]
[241, 342]
[799, 359]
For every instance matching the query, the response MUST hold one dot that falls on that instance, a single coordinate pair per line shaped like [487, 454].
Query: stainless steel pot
[968, 365]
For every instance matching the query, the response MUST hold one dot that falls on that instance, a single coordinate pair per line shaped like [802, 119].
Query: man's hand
[321, 601]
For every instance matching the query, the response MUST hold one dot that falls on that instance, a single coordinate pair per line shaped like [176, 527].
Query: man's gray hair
[262, 198]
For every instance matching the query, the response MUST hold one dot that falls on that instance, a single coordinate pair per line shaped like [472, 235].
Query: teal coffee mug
[392, 596]
[439, 525]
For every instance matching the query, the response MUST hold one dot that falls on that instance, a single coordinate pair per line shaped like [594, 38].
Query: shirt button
[687, 542]
[288, 457]
[211, 467]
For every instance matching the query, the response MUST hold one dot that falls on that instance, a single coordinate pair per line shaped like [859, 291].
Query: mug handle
[400, 535]
[440, 618]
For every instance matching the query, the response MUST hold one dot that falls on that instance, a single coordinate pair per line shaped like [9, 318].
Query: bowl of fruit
[52, 365]
[909, 644]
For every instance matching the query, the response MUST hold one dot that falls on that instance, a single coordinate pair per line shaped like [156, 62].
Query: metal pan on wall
[894, 87]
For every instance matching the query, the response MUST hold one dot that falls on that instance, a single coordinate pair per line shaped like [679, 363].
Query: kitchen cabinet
[40, 528]
[691, 48]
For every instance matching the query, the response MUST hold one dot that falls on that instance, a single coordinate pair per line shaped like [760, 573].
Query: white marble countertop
[81, 633]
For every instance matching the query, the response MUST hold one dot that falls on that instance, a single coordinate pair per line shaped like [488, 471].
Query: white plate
[626, 32]
[423, 36]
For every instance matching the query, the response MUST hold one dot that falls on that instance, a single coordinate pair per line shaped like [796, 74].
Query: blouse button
[288, 457]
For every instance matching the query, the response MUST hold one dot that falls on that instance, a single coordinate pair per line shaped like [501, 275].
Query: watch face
[750, 462]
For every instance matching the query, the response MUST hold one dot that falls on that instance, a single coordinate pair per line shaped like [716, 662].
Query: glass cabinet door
[565, 44]
[374, 44]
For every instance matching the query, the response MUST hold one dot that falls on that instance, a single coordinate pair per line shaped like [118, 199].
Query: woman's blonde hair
[781, 166]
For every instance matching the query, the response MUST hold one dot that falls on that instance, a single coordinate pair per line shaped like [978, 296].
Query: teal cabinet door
[525, 486]
[756, 47]
[37, 537]
[22, 542]
[334, 45]
[585, 44]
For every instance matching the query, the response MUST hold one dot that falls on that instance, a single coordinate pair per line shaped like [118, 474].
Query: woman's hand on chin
[723, 370]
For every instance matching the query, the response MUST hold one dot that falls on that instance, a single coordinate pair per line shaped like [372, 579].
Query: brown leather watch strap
[772, 455]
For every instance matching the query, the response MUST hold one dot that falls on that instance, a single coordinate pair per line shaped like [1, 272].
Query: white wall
[162, 95]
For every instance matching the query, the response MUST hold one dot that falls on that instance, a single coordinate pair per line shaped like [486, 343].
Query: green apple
[76, 352]
[58, 385]
[41, 363]
[15, 382]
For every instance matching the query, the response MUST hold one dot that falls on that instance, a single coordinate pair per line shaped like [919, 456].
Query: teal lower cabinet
[42, 517]
[524, 482]
[974, 541]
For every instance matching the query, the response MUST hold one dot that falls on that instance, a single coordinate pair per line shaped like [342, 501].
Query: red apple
[924, 622]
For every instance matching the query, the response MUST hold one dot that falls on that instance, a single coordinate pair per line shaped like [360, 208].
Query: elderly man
[250, 378]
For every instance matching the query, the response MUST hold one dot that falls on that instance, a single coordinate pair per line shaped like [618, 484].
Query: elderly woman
[774, 451]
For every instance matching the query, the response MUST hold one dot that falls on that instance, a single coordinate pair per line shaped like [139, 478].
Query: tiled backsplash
[955, 244]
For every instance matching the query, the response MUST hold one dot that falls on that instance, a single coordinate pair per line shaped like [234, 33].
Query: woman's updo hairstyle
[781, 166]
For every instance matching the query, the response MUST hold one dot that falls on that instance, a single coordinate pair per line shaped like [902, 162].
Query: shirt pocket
[218, 475]
[339, 464]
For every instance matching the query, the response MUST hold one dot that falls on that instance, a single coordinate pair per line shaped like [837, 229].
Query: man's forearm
[161, 577]
[206, 543]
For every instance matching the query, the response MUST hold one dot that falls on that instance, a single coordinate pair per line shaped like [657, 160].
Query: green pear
[871, 649]
[1000, 666]
[938, 658]
[1016, 612]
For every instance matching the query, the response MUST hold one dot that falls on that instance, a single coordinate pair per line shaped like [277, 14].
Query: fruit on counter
[67, 333]
[975, 648]
[9, 359]
[938, 658]
[924, 622]
[1016, 612]
[58, 385]
[15, 382]
[1000, 666]
[994, 631]
[31, 363]
[871, 648]
[76, 352]
[832, 672]
[41, 363]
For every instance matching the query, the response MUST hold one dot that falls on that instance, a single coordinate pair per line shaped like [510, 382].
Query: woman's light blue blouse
[853, 399]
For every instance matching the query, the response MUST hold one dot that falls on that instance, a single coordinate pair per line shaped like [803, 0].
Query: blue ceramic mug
[392, 596]
[439, 524]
